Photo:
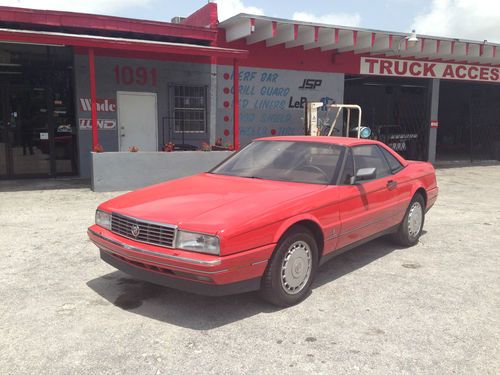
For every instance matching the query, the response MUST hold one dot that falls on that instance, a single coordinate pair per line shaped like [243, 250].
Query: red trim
[274, 26]
[236, 89]
[203, 17]
[143, 55]
[119, 44]
[98, 22]
[252, 25]
[280, 57]
[93, 99]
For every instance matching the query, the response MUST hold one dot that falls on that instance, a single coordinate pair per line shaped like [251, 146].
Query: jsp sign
[428, 69]
[310, 84]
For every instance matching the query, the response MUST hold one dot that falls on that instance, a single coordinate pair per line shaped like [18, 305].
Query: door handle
[391, 184]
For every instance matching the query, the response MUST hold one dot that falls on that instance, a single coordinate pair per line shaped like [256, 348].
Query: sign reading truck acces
[428, 69]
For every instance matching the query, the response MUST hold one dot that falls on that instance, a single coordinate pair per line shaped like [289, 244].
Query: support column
[236, 91]
[212, 124]
[433, 123]
[93, 100]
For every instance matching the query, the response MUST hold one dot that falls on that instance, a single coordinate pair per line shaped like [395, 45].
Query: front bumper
[192, 272]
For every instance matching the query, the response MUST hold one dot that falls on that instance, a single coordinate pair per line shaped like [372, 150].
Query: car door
[366, 207]
[402, 186]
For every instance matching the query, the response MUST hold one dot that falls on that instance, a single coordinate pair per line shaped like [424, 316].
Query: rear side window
[370, 156]
[394, 163]
[348, 170]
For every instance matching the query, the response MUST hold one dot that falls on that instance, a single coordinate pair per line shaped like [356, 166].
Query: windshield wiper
[255, 177]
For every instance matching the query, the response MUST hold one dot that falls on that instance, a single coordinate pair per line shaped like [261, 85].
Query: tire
[410, 229]
[291, 271]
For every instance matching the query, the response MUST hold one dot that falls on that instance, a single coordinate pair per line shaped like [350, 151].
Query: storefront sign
[434, 124]
[141, 75]
[102, 124]
[273, 102]
[428, 69]
[103, 105]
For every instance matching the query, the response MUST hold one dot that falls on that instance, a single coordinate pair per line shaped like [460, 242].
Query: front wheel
[410, 229]
[291, 271]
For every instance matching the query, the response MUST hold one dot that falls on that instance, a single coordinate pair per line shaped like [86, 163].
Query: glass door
[28, 131]
[38, 130]
[3, 133]
[63, 126]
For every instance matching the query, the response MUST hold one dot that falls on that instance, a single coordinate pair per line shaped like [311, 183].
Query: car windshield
[308, 162]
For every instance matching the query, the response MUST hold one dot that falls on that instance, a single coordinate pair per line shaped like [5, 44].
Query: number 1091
[126, 75]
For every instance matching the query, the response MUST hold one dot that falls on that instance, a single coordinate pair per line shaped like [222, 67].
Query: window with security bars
[190, 109]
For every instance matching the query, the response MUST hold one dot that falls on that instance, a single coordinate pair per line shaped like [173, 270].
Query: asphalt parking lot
[430, 309]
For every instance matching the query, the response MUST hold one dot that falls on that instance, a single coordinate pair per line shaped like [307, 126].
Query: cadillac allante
[267, 217]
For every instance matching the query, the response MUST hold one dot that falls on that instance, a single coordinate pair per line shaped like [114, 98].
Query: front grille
[151, 233]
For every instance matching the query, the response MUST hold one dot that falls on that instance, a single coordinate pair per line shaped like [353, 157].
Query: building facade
[71, 81]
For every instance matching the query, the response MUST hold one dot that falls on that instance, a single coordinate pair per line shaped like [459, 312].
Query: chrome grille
[151, 233]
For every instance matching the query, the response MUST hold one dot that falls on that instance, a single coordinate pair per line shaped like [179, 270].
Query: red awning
[93, 41]
[60, 20]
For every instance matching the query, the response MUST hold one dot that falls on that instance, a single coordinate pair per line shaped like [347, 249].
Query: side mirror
[364, 174]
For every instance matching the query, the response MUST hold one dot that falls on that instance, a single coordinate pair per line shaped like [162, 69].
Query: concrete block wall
[119, 171]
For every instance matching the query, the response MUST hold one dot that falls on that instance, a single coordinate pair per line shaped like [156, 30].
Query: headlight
[199, 242]
[103, 219]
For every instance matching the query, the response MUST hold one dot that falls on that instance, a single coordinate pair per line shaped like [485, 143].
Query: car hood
[207, 202]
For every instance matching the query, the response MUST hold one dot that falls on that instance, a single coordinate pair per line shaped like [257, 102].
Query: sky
[468, 19]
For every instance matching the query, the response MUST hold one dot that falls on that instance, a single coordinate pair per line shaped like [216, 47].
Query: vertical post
[212, 125]
[433, 117]
[236, 89]
[93, 99]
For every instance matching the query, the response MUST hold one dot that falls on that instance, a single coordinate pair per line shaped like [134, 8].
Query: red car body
[249, 216]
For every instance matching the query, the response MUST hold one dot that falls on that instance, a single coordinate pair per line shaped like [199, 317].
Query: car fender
[288, 223]
[415, 187]
[426, 182]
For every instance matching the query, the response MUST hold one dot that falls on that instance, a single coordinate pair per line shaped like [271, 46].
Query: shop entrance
[37, 130]
[137, 120]
[396, 109]
[469, 122]
[25, 129]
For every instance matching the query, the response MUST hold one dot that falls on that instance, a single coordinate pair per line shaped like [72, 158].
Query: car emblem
[135, 230]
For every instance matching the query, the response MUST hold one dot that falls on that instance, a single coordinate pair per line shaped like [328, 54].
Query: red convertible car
[267, 217]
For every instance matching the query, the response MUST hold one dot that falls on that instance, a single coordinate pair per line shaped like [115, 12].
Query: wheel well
[316, 231]
[423, 193]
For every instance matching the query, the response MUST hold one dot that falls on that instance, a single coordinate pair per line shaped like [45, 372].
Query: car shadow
[58, 183]
[205, 313]
[354, 259]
